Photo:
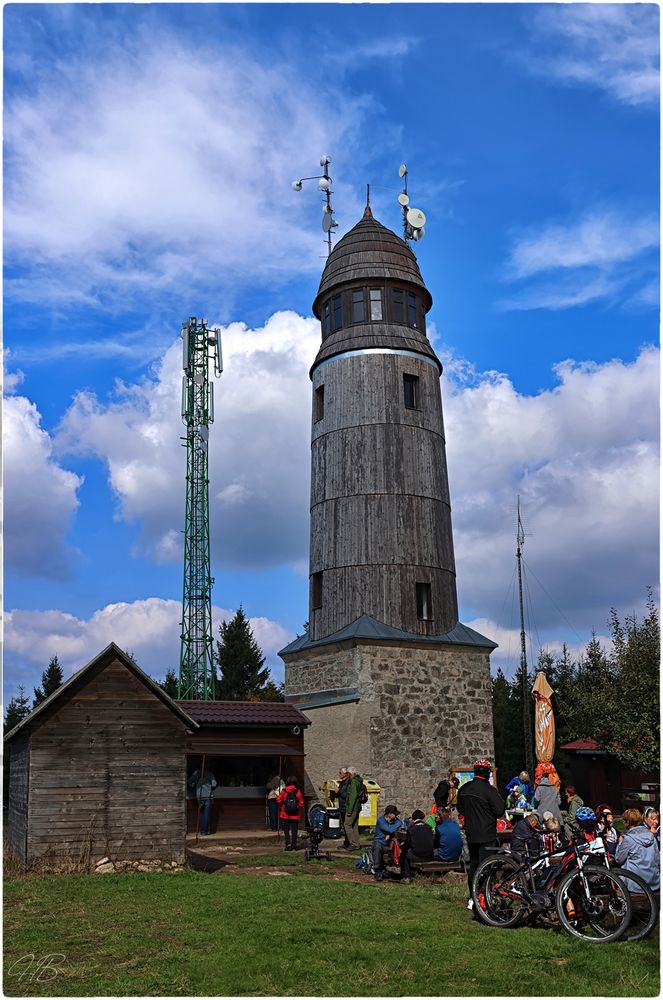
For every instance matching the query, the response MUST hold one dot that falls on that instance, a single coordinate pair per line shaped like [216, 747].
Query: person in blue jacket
[448, 842]
[385, 828]
[526, 786]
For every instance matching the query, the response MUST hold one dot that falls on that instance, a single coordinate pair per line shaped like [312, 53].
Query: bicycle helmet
[585, 813]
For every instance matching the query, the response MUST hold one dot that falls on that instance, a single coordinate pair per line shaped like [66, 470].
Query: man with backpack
[356, 796]
[291, 802]
[481, 806]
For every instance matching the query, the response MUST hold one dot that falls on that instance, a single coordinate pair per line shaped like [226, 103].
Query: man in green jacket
[353, 808]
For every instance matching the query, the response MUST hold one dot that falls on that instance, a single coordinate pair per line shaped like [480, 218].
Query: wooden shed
[98, 770]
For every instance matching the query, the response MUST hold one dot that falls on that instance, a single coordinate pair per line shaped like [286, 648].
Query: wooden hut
[99, 769]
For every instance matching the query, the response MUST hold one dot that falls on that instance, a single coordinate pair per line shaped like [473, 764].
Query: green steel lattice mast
[201, 350]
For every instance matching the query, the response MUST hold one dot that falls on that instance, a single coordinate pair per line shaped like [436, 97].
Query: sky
[149, 152]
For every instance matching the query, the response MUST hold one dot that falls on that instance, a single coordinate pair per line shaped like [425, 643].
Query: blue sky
[149, 152]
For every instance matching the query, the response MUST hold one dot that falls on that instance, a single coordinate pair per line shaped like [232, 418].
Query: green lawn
[260, 934]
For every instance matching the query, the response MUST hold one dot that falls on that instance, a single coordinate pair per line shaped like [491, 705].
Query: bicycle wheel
[593, 904]
[644, 907]
[499, 892]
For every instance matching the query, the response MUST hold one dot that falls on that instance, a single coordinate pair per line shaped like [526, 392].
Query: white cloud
[149, 629]
[601, 256]
[613, 47]
[259, 455]
[151, 169]
[40, 496]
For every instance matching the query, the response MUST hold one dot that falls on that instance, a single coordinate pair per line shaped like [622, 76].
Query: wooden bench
[437, 867]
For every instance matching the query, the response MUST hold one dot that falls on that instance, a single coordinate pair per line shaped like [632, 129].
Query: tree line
[611, 696]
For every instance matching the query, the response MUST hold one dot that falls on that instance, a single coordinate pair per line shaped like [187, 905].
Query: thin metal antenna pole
[527, 715]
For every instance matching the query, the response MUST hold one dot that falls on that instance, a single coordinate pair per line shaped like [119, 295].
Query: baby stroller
[317, 816]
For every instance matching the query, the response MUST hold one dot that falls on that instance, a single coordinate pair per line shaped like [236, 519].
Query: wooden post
[202, 775]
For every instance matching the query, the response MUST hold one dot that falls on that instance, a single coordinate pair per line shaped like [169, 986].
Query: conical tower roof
[370, 251]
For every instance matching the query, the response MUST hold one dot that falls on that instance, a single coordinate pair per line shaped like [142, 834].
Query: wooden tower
[393, 683]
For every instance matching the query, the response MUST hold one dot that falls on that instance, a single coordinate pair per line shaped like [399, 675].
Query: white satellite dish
[416, 218]
[323, 184]
[403, 199]
[402, 170]
[326, 222]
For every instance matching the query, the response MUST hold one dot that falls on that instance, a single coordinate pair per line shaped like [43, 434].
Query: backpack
[290, 804]
[363, 796]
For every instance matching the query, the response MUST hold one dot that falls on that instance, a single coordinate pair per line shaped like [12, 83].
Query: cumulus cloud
[259, 455]
[136, 172]
[148, 629]
[612, 47]
[605, 255]
[40, 495]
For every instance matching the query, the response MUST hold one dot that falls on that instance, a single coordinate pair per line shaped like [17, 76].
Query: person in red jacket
[291, 802]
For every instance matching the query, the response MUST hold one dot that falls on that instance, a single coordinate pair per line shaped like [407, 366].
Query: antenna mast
[527, 715]
[201, 347]
[324, 183]
[414, 219]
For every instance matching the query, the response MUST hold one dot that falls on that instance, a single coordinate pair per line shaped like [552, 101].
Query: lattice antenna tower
[324, 183]
[201, 354]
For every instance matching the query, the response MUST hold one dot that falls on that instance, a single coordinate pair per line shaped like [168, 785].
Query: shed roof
[370, 251]
[366, 627]
[582, 744]
[244, 713]
[110, 653]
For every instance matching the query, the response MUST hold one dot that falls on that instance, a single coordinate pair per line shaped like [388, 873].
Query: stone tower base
[402, 713]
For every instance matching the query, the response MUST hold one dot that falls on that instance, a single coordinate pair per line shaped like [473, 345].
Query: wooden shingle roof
[244, 713]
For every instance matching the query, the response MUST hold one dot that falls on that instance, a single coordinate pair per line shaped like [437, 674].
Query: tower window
[424, 608]
[316, 591]
[319, 403]
[338, 313]
[376, 303]
[411, 309]
[399, 316]
[326, 320]
[411, 391]
[358, 306]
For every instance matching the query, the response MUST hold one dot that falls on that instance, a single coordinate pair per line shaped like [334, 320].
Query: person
[441, 793]
[605, 819]
[526, 786]
[516, 798]
[448, 840]
[637, 849]
[547, 798]
[341, 794]
[274, 786]
[526, 836]
[291, 801]
[652, 822]
[552, 837]
[353, 808]
[481, 806]
[385, 829]
[452, 801]
[418, 845]
[204, 787]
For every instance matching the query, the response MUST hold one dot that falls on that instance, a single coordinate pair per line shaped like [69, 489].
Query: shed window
[411, 391]
[316, 591]
[319, 403]
[338, 313]
[411, 310]
[424, 609]
[376, 303]
[358, 306]
[399, 316]
[326, 320]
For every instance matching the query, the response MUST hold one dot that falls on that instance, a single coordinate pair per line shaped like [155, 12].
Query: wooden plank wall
[108, 768]
[17, 816]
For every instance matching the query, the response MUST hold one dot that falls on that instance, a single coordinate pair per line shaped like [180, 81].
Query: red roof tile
[244, 713]
[582, 744]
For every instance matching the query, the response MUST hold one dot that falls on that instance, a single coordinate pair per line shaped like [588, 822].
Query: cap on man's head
[391, 809]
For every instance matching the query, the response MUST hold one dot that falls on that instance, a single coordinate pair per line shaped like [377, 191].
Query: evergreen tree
[170, 683]
[17, 709]
[501, 732]
[241, 662]
[51, 680]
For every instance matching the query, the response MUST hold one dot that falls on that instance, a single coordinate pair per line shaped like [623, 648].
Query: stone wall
[421, 709]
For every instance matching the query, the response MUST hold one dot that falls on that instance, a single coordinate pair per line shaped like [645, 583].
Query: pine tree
[17, 709]
[241, 662]
[170, 683]
[501, 733]
[51, 680]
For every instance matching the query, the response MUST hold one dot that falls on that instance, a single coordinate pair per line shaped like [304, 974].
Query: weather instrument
[329, 223]
[414, 219]
[201, 355]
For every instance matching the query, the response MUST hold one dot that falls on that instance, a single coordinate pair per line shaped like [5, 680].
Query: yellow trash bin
[369, 811]
[330, 785]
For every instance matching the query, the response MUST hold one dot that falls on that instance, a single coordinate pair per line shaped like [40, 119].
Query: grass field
[298, 934]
